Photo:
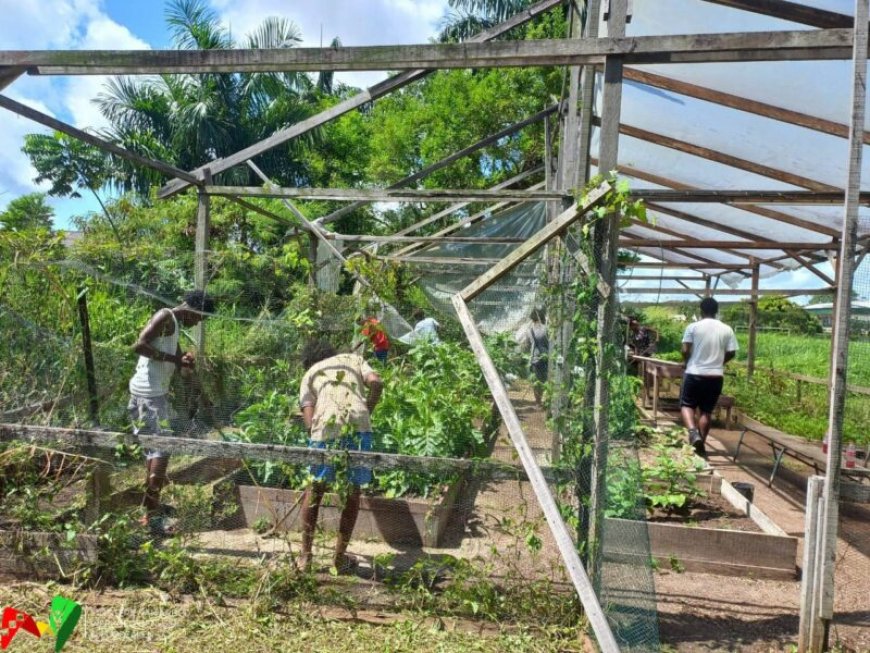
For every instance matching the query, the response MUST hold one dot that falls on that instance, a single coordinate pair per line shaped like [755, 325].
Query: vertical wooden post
[90, 371]
[841, 324]
[312, 258]
[609, 229]
[808, 567]
[708, 283]
[589, 600]
[200, 266]
[753, 321]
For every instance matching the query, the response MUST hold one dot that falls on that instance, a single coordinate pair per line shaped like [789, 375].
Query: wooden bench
[783, 444]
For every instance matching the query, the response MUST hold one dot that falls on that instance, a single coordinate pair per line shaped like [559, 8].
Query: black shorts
[701, 392]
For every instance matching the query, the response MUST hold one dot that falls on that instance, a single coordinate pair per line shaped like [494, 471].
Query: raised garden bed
[765, 551]
[37, 556]
[406, 520]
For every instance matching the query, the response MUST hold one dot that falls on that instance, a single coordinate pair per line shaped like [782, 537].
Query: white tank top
[151, 378]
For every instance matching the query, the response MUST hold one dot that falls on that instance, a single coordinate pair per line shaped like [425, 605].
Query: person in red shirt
[374, 331]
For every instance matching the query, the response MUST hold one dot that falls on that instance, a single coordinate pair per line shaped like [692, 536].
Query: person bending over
[160, 356]
[337, 395]
[707, 345]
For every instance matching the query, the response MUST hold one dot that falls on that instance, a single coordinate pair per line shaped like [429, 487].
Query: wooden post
[90, 372]
[842, 324]
[808, 568]
[200, 269]
[312, 258]
[606, 319]
[707, 286]
[589, 600]
[753, 321]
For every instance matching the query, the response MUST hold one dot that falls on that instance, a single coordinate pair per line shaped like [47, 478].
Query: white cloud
[52, 24]
[102, 33]
[373, 22]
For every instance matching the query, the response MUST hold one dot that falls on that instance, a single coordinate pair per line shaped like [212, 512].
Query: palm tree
[465, 18]
[191, 119]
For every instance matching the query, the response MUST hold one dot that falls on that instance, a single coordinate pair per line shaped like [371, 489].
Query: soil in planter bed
[711, 511]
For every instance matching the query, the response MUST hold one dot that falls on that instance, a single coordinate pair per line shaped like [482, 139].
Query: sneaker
[697, 443]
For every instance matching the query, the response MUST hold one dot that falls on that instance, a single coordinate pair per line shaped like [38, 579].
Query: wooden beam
[725, 159]
[764, 212]
[679, 48]
[809, 266]
[443, 163]
[471, 240]
[533, 244]
[791, 292]
[386, 195]
[724, 244]
[691, 218]
[43, 119]
[753, 322]
[653, 277]
[9, 74]
[425, 222]
[437, 260]
[267, 214]
[359, 100]
[201, 249]
[790, 11]
[746, 196]
[740, 103]
[677, 234]
[468, 220]
[68, 439]
[841, 330]
[564, 542]
[679, 266]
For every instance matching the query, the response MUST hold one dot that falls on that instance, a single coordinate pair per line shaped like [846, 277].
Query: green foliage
[26, 213]
[668, 481]
[274, 420]
[434, 404]
[774, 311]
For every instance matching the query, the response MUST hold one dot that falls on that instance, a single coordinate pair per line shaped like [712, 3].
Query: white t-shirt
[710, 339]
[425, 329]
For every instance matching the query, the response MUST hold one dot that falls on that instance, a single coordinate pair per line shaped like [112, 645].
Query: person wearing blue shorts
[336, 395]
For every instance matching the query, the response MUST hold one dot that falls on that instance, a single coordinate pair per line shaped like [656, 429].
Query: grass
[149, 620]
[808, 355]
[771, 397]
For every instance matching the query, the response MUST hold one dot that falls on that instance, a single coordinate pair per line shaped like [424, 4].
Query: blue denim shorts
[357, 475]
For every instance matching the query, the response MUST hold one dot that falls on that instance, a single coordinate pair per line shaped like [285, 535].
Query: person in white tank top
[160, 356]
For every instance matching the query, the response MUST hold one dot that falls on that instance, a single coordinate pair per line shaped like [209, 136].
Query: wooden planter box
[771, 554]
[405, 521]
[44, 556]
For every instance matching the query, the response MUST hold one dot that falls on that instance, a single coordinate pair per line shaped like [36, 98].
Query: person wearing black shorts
[707, 345]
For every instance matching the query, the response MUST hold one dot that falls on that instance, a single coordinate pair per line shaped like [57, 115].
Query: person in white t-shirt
[425, 328]
[707, 345]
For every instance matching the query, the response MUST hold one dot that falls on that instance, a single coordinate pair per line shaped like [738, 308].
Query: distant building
[70, 237]
[860, 313]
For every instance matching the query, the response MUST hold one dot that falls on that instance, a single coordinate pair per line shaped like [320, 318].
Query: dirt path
[699, 612]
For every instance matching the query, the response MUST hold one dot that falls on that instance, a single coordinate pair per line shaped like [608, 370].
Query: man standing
[533, 338]
[337, 396]
[159, 357]
[707, 345]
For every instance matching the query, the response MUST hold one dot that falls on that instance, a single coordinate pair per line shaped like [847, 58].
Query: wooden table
[651, 370]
